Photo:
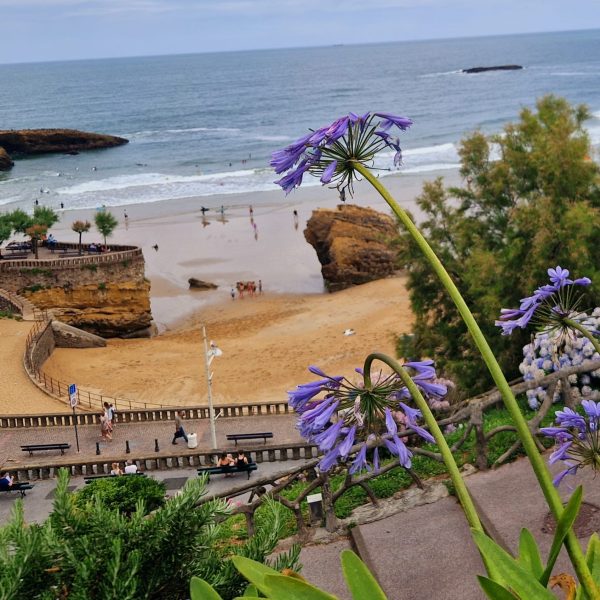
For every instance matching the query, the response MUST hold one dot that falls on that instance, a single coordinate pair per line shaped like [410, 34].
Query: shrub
[123, 493]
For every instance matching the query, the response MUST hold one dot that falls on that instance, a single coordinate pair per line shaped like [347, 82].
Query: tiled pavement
[141, 437]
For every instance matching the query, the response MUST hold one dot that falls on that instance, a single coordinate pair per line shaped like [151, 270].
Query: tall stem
[537, 463]
[588, 334]
[434, 428]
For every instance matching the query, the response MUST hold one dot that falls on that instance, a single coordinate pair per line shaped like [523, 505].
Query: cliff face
[114, 310]
[40, 141]
[109, 298]
[352, 245]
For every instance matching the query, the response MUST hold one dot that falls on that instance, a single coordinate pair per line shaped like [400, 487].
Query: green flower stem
[537, 463]
[434, 428]
[588, 334]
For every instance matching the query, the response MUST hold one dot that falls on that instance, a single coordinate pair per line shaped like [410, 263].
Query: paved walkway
[141, 438]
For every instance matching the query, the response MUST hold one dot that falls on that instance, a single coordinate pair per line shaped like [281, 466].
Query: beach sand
[267, 341]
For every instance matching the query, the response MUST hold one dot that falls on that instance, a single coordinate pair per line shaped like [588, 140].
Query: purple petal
[412, 413]
[329, 171]
[360, 462]
[329, 460]
[390, 423]
[348, 442]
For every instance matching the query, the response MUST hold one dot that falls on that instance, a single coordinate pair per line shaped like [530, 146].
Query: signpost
[209, 355]
[73, 401]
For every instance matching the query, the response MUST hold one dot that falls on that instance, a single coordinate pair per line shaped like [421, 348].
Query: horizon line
[412, 40]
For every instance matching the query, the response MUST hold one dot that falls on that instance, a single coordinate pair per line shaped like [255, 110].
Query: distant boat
[497, 68]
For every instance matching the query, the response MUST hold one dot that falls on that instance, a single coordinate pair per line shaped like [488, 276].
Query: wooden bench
[234, 437]
[15, 256]
[91, 478]
[18, 486]
[226, 470]
[68, 254]
[31, 448]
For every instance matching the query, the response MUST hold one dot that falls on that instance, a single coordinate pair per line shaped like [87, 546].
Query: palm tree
[105, 223]
[80, 227]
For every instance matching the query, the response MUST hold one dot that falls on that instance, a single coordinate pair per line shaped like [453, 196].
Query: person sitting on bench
[6, 481]
[226, 460]
[242, 459]
[130, 467]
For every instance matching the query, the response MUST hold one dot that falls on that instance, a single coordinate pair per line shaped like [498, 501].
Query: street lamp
[209, 353]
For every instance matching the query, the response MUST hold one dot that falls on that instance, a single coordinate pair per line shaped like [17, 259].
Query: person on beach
[116, 469]
[105, 431]
[233, 293]
[260, 286]
[6, 481]
[251, 210]
[179, 431]
[130, 467]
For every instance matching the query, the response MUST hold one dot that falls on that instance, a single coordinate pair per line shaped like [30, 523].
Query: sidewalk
[141, 437]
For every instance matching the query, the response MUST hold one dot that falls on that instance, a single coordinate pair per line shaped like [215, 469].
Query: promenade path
[18, 395]
[141, 438]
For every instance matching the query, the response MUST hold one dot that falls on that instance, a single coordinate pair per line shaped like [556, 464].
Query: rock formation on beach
[353, 244]
[5, 161]
[23, 142]
[497, 68]
[198, 284]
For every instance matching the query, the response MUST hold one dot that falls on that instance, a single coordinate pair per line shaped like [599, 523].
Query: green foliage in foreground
[530, 201]
[123, 493]
[93, 552]
[269, 583]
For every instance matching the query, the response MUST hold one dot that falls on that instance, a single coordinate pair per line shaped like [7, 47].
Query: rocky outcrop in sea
[353, 245]
[24, 142]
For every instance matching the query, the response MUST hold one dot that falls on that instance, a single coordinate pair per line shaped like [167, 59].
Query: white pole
[211, 410]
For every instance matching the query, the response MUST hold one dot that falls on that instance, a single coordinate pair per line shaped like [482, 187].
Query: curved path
[18, 395]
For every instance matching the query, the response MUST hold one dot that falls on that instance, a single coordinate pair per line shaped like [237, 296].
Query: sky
[42, 30]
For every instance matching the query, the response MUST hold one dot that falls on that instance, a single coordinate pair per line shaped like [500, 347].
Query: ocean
[205, 124]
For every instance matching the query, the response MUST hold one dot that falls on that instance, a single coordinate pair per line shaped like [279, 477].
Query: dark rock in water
[353, 245]
[198, 284]
[498, 68]
[40, 141]
[6, 164]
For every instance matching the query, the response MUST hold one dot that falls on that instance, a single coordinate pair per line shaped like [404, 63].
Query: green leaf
[562, 528]
[290, 588]
[493, 590]
[529, 554]
[508, 570]
[592, 558]
[251, 591]
[360, 580]
[254, 572]
[200, 590]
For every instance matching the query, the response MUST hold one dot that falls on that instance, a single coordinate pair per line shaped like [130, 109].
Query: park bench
[31, 448]
[91, 478]
[234, 437]
[67, 253]
[15, 255]
[18, 486]
[226, 470]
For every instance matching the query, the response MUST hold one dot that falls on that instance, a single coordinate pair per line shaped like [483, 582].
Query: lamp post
[209, 353]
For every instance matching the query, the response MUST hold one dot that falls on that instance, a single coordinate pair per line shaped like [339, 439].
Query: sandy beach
[267, 341]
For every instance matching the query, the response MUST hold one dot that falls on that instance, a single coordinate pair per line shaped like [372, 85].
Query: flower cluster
[331, 151]
[549, 305]
[337, 414]
[577, 439]
[541, 357]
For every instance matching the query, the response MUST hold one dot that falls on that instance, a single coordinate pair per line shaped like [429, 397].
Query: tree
[6, 228]
[80, 227]
[43, 215]
[105, 223]
[90, 551]
[35, 226]
[37, 233]
[530, 201]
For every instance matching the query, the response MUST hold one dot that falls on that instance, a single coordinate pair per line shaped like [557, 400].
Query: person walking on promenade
[179, 430]
[109, 413]
[105, 430]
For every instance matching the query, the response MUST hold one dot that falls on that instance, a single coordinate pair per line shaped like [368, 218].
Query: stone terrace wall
[114, 267]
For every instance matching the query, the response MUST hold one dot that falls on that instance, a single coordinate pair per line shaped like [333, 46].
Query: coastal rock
[117, 310]
[6, 164]
[198, 284]
[353, 245]
[497, 68]
[22, 142]
[67, 336]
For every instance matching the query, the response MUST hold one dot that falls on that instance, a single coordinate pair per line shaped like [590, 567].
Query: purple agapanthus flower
[338, 415]
[331, 152]
[577, 439]
[548, 307]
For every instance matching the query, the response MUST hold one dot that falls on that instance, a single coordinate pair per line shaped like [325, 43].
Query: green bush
[123, 493]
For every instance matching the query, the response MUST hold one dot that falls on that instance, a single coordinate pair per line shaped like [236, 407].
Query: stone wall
[43, 348]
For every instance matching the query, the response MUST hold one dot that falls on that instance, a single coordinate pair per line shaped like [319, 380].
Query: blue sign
[72, 389]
